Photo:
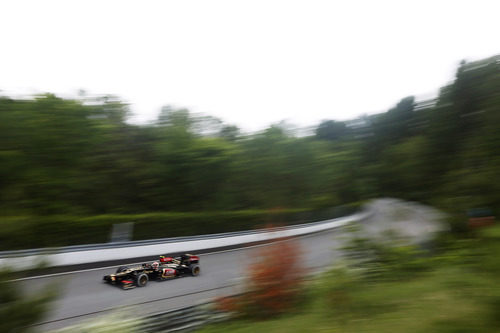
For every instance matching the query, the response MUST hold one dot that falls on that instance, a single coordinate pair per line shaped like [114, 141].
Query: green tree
[331, 130]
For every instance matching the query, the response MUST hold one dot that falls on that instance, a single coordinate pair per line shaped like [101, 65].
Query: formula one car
[165, 268]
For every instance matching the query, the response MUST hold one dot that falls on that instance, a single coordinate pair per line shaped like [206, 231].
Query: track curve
[83, 295]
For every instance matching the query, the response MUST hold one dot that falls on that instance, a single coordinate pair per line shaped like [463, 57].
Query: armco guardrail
[84, 254]
[185, 319]
[179, 320]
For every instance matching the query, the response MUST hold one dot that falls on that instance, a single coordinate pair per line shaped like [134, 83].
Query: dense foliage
[398, 289]
[81, 158]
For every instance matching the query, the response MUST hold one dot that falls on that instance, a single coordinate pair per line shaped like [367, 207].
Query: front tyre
[195, 270]
[142, 280]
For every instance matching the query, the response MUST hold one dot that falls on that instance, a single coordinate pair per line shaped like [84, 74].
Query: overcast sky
[250, 63]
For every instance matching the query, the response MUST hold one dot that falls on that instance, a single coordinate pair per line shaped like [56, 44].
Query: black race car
[165, 268]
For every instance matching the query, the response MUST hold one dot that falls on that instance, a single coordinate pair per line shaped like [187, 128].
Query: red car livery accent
[168, 272]
[166, 259]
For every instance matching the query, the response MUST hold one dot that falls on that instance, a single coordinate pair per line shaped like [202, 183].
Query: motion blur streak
[70, 169]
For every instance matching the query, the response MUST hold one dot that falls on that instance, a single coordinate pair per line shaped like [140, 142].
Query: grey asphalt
[83, 296]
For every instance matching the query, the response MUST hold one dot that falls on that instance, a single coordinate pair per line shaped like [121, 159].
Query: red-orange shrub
[274, 280]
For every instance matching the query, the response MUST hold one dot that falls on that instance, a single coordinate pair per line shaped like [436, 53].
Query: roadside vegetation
[71, 168]
[400, 288]
[75, 163]
[22, 232]
[273, 285]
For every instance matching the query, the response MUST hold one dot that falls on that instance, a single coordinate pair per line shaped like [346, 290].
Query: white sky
[250, 63]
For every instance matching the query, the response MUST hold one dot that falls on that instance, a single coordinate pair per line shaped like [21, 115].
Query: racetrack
[83, 295]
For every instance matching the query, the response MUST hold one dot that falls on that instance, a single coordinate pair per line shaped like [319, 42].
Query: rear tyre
[142, 280]
[195, 270]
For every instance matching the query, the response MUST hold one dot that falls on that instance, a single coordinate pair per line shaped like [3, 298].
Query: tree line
[80, 156]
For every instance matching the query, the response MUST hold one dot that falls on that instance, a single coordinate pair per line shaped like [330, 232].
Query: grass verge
[459, 292]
